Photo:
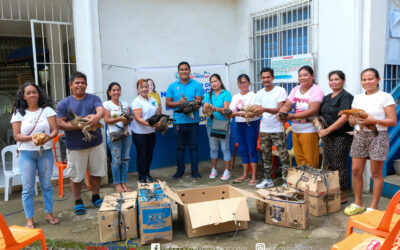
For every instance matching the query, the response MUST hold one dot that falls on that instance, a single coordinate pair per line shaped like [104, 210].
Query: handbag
[219, 128]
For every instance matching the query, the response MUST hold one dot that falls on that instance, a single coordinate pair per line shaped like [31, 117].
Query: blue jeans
[29, 162]
[119, 158]
[187, 134]
[214, 145]
[247, 139]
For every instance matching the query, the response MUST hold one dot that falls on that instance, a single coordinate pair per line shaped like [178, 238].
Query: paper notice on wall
[286, 67]
[164, 76]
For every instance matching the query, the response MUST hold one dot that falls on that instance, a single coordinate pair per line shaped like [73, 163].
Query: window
[283, 31]
[391, 77]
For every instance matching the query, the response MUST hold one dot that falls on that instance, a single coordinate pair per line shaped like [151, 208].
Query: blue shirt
[190, 90]
[218, 102]
[82, 107]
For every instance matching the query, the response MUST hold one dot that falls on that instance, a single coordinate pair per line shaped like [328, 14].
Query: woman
[306, 99]
[247, 134]
[143, 135]
[335, 141]
[153, 93]
[381, 110]
[32, 113]
[114, 109]
[220, 99]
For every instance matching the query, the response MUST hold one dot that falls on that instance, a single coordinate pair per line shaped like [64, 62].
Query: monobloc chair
[356, 239]
[16, 237]
[13, 171]
[376, 222]
[61, 166]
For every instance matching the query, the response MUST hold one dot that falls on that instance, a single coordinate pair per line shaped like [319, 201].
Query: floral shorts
[366, 144]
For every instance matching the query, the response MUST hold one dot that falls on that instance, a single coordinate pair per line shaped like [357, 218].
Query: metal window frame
[282, 31]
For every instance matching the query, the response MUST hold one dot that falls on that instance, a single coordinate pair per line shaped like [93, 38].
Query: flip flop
[239, 180]
[30, 226]
[79, 209]
[53, 221]
[252, 183]
[98, 203]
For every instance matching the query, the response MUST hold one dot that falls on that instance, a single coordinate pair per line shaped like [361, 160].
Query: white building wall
[157, 33]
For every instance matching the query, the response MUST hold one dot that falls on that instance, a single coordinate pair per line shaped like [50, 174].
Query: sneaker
[226, 176]
[214, 173]
[196, 175]
[177, 175]
[266, 183]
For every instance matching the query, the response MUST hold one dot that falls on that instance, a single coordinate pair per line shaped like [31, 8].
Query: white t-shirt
[270, 99]
[27, 123]
[301, 103]
[115, 112]
[238, 102]
[374, 105]
[149, 108]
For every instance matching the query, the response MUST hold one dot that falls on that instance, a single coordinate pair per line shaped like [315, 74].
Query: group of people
[304, 103]
[33, 113]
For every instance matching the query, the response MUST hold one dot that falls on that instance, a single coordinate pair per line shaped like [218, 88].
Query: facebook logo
[155, 246]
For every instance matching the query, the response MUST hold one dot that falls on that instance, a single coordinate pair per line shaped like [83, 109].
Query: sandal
[353, 209]
[53, 221]
[79, 209]
[252, 183]
[240, 180]
[31, 226]
[97, 203]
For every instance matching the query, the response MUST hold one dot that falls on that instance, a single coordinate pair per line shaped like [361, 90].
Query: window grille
[282, 31]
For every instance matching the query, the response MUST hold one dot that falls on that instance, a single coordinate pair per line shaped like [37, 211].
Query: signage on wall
[164, 76]
[286, 67]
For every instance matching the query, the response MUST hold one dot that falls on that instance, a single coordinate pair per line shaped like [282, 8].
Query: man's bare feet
[118, 188]
[125, 188]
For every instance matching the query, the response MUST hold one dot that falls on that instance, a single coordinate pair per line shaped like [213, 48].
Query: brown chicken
[81, 122]
[249, 112]
[359, 113]
[39, 139]
[319, 123]
[207, 110]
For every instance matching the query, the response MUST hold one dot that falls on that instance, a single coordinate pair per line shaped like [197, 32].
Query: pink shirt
[301, 103]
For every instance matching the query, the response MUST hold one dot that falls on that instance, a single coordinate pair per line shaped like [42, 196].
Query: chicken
[188, 107]
[163, 122]
[319, 123]
[39, 139]
[81, 122]
[359, 113]
[207, 110]
[249, 111]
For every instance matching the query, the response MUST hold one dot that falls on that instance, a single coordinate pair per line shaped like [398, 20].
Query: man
[82, 154]
[270, 100]
[187, 130]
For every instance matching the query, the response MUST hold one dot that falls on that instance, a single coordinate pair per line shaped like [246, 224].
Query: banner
[286, 67]
[164, 76]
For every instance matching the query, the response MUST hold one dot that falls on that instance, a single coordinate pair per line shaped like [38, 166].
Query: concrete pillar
[87, 44]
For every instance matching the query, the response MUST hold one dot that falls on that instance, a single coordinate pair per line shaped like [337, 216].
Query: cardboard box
[320, 197]
[212, 210]
[155, 215]
[112, 227]
[288, 208]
